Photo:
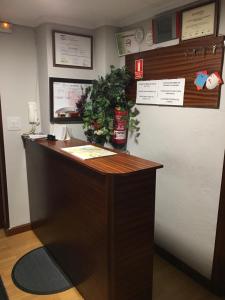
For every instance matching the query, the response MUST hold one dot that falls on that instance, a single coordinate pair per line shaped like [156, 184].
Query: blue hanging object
[201, 79]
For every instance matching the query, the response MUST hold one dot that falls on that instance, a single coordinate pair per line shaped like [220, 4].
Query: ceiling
[84, 13]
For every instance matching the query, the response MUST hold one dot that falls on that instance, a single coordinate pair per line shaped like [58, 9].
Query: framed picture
[127, 42]
[65, 99]
[166, 28]
[72, 50]
[199, 21]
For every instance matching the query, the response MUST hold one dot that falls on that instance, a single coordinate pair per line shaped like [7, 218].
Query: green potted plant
[105, 106]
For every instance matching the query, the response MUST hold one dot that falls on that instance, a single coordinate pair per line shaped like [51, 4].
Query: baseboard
[195, 275]
[18, 229]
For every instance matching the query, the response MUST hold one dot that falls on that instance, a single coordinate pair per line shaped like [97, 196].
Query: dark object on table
[51, 137]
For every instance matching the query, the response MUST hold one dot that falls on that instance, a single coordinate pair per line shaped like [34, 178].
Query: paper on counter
[88, 152]
[37, 136]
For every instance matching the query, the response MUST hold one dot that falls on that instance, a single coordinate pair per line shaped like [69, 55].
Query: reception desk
[96, 217]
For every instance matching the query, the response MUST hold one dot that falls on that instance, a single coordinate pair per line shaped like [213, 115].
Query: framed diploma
[127, 42]
[72, 50]
[66, 97]
[199, 21]
[134, 41]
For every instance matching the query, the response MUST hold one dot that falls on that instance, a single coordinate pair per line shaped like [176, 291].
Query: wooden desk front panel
[69, 215]
[99, 227]
[133, 236]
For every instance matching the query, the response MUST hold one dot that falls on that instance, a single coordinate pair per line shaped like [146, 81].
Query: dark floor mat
[38, 273]
[3, 294]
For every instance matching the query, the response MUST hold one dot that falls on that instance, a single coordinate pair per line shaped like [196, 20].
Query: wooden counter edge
[97, 164]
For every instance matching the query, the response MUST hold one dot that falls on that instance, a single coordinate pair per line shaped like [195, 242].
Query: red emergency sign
[139, 69]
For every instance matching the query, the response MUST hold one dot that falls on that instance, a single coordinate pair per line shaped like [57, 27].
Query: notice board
[183, 61]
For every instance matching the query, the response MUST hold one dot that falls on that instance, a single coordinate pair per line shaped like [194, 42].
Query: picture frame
[199, 21]
[64, 95]
[127, 43]
[71, 50]
[166, 27]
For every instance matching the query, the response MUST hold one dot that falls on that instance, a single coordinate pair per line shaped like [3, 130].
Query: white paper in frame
[72, 50]
[198, 22]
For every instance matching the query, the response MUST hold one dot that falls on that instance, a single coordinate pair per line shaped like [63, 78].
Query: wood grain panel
[180, 62]
[1, 209]
[18, 229]
[96, 217]
[115, 164]
[69, 214]
[133, 229]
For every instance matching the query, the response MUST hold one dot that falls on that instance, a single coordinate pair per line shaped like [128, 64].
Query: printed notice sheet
[88, 151]
[161, 92]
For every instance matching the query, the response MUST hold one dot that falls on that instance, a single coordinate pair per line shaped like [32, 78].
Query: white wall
[19, 74]
[41, 38]
[18, 85]
[46, 70]
[104, 54]
[190, 144]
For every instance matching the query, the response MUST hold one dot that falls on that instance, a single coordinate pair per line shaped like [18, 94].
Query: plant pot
[99, 140]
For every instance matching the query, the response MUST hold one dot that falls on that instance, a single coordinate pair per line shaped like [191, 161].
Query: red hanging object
[139, 72]
[120, 127]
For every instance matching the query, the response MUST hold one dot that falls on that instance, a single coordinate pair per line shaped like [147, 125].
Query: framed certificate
[127, 42]
[199, 21]
[66, 99]
[72, 50]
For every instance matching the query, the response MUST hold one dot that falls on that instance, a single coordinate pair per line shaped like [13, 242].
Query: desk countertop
[121, 163]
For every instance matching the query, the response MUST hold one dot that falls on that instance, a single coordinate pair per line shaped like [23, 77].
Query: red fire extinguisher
[120, 127]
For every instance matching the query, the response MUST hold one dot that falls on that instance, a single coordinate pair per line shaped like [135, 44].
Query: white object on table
[37, 136]
[32, 112]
